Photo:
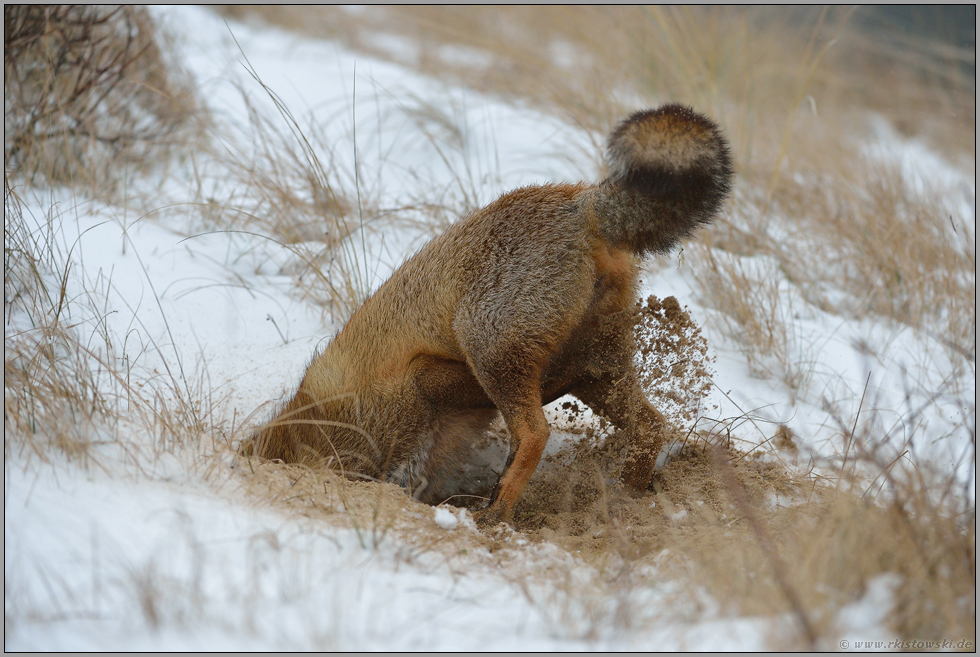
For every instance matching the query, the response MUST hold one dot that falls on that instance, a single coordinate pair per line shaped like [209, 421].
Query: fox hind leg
[513, 384]
[623, 402]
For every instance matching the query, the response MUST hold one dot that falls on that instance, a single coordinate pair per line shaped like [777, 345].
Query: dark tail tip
[676, 154]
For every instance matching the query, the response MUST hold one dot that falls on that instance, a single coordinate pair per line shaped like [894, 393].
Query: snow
[445, 518]
[290, 585]
[868, 616]
[147, 553]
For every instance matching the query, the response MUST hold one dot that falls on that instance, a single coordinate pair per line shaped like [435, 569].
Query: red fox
[525, 300]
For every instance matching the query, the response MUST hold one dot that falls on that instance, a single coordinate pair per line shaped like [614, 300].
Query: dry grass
[764, 542]
[862, 227]
[301, 199]
[91, 96]
[289, 184]
[740, 528]
[750, 67]
[51, 393]
[88, 93]
[67, 389]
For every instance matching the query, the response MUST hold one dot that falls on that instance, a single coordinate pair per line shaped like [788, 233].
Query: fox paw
[638, 471]
[637, 480]
[490, 517]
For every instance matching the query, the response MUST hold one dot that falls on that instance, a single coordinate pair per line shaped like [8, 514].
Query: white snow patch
[446, 518]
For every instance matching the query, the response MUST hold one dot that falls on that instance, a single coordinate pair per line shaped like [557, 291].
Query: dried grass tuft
[88, 92]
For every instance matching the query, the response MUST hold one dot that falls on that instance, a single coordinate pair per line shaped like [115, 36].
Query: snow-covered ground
[148, 551]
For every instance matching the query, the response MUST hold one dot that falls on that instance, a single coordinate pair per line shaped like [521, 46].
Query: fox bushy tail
[670, 171]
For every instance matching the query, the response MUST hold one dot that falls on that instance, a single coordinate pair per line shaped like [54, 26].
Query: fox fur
[523, 301]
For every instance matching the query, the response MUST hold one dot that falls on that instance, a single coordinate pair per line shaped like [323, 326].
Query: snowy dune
[165, 550]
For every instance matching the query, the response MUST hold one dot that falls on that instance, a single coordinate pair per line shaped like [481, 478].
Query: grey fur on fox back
[523, 301]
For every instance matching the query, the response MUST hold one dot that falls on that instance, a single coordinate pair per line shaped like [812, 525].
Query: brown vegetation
[85, 88]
